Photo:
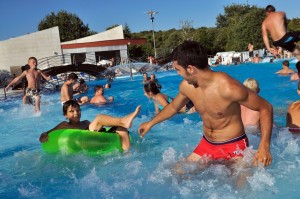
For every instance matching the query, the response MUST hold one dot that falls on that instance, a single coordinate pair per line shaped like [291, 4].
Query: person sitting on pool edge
[250, 118]
[293, 114]
[152, 91]
[71, 110]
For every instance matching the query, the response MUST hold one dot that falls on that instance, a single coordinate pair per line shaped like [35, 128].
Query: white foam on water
[261, 181]
[30, 191]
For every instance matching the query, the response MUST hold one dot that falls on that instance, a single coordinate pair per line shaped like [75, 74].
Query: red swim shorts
[222, 150]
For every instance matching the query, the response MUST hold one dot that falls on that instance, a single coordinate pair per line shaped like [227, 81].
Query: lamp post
[128, 57]
[151, 13]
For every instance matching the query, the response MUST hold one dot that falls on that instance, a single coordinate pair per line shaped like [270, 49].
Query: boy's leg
[107, 120]
[37, 103]
[124, 136]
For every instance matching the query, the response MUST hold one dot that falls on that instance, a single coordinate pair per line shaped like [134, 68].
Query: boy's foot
[127, 120]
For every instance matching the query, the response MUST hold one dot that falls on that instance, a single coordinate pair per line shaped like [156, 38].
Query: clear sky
[19, 17]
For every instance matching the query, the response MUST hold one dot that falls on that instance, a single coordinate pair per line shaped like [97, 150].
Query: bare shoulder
[229, 87]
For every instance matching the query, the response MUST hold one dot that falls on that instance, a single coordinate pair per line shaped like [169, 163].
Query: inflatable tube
[68, 141]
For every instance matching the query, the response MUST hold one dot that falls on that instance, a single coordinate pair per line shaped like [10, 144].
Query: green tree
[294, 25]
[187, 30]
[240, 25]
[70, 25]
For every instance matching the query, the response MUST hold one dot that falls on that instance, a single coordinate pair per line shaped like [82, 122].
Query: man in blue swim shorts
[276, 24]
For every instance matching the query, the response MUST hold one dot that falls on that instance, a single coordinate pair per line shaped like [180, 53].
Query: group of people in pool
[216, 96]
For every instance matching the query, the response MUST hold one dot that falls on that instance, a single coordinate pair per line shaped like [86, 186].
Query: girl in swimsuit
[152, 91]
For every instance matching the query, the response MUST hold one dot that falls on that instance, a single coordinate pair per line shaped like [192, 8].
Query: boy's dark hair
[97, 87]
[72, 76]
[286, 63]
[69, 103]
[33, 59]
[270, 8]
[152, 87]
[189, 53]
[81, 81]
[298, 66]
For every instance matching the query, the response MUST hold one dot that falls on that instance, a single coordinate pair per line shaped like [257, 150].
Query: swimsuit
[288, 41]
[250, 53]
[169, 100]
[222, 150]
[188, 106]
[31, 93]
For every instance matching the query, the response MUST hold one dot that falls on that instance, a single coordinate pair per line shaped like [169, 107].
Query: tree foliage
[235, 28]
[294, 25]
[70, 25]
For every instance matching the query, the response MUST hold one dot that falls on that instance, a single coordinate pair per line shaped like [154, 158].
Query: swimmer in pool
[152, 91]
[250, 118]
[217, 97]
[293, 113]
[72, 112]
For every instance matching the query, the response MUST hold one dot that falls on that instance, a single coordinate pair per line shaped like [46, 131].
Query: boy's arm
[44, 135]
[15, 80]
[45, 76]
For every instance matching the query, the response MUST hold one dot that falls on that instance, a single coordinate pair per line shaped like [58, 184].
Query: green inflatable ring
[68, 141]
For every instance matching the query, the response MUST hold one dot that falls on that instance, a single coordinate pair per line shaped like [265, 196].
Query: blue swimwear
[288, 41]
[169, 100]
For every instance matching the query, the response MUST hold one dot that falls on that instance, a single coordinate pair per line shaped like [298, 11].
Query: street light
[151, 13]
[128, 57]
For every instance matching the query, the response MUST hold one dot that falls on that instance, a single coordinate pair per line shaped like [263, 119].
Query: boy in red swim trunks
[217, 97]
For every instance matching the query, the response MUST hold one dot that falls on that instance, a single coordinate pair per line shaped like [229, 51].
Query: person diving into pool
[71, 110]
[217, 97]
[276, 24]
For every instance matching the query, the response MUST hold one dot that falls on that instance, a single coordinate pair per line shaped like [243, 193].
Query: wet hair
[298, 66]
[81, 81]
[152, 87]
[69, 103]
[33, 59]
[189, 53]
[299, 85]
[108, 85]
[286, 63]
[97, 87]
[72, 76]
[270, 8]
[252, 84]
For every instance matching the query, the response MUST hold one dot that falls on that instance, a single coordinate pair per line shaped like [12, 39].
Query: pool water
[147, 171]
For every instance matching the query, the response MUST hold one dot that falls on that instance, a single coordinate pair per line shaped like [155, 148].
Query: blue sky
[19, 17]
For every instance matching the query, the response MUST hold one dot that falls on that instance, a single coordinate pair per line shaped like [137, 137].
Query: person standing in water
[217, 97]
[33, 76]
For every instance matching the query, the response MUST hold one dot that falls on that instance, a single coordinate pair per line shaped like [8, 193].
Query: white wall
[16, 51]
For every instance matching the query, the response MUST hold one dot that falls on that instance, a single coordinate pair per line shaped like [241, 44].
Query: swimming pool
[147, 170]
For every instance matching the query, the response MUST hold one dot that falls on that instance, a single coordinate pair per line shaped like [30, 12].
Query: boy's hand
[43, 137]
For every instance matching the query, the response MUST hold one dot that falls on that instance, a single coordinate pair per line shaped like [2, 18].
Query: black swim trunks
[108, 129]
[250, 53]
[188, 106]
[288, 41]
